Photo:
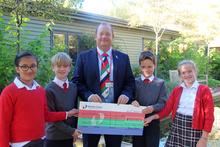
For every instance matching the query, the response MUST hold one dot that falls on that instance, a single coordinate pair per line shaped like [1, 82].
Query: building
[129, 39]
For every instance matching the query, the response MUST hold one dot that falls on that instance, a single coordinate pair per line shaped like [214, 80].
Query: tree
[12, 41]
[201, 24]
[196, 21]
[21, 9]
[199, 21]
[159, 14]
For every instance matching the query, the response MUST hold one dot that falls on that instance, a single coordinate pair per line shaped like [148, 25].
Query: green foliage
[136, 70]
[213, 83]
[7, 54]
[12, 34]
[179, 49]
[170, 86]
[37, 46]
[48, 9]
[165, 126]
[87, 41]
[215, 64]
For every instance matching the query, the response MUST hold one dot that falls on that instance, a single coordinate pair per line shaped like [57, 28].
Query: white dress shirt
[151, 78]
[187, 99]
[60, 82]
[20, 84]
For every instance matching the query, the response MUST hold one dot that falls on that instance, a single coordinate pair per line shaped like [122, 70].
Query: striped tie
[105, 76]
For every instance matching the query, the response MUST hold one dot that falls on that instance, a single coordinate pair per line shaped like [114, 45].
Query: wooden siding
[130, 40]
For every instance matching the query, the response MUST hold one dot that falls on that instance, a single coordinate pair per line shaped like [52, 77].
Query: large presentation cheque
[107, 118]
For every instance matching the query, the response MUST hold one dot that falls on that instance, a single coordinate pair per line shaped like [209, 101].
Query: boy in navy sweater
[150, 92]
[61, 96]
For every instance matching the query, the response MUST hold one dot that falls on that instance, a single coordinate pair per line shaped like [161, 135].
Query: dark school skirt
[182, 134]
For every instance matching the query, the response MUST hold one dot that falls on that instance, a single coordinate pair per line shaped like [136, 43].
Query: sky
[102, 6]
[97, 6]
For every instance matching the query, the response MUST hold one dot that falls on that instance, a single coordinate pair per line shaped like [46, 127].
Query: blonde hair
[61, 58]
[187, 62]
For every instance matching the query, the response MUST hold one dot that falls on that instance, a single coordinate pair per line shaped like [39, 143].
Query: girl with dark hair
[23, 107]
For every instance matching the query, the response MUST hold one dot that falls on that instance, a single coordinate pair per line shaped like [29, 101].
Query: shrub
[213, 83]
[215, 64]
[136, 70]
[8, 51]
[170, 86]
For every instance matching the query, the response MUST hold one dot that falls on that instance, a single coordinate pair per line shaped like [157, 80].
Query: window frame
[66, 41]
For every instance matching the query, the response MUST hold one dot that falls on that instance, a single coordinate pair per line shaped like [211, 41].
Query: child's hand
[148, 120]
[76, 135]
[135, 103]
[73, 112]
[202, 142]
[148, 110]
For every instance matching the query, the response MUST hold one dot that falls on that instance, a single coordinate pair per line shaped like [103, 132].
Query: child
[192, 110]
[61, 96]
[23, 108]
[150, 92]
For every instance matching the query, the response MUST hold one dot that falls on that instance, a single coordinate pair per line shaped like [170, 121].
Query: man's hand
[76, 135]
[148, 110]
[95, 98]
[123, 99]
[135, 103]
[73, 112]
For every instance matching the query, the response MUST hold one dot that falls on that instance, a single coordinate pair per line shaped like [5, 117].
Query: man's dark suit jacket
[87, 75]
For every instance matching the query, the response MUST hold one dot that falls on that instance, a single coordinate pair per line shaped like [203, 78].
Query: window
[73, 46]
[66, 41]
[59, 39]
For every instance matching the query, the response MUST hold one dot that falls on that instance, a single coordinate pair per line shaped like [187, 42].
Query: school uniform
[23, 113]
[61, 96]
[89, 78]
[192, 112]
[150, 92]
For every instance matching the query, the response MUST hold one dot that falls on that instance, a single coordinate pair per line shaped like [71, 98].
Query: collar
[151, 78]
[61, 82]
[194, 86]
[100, 52]
[20, 84]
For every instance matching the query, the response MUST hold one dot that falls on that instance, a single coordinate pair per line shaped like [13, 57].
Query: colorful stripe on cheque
[110, 122]
[111, 115]
[108, 130]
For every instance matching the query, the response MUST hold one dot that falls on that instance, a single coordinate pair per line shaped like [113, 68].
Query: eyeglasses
[26, 67]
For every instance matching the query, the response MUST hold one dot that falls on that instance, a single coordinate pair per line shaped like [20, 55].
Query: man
[104, 75]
